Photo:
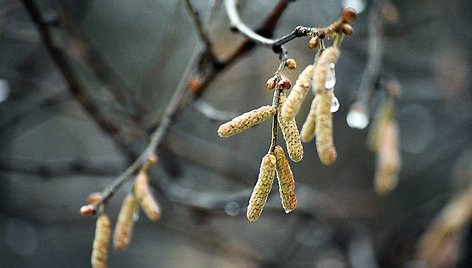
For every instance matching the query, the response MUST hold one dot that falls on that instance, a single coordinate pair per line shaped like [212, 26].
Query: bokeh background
[53, 153]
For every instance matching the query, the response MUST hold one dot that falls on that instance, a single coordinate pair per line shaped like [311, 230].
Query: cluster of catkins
[319, 77]
[142, 196]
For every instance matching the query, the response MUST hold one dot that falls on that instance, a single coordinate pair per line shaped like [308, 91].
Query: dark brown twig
[105, 123]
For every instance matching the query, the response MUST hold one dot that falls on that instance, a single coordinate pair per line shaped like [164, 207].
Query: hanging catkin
[145, 198]
[124, 224]
[286, 180]
[324, 128]
[262, 189]
[290, 133]
[246, 120]
[101, 242]
[388, 158]
[308, 129]
[321, 70]
[292, 105]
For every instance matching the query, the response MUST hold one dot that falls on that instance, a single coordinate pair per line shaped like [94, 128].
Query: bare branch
[105, 123]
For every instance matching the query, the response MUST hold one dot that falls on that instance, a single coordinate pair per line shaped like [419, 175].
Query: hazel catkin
[125, 222]
[292, 105]
[262, 188]
[101, 242]
[290, 133]
[388, 159]
[246, 120]
[286, 180]
[144, 196]
[308, 129]
[324, 128]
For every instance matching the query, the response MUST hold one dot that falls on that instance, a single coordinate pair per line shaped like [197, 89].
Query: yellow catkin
[324, 128]
[286, 180]
[246, 120]
[292, 105]
[321, 70]
[388, 158]
[453, 217]
[262, 189]
[384, 115]
[145, 198]
[101, 242]
[290, 133]
[124, 224]
[308, 129]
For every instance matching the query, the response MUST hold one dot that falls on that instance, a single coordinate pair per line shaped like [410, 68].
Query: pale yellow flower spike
[324, 128]
[124, 224]
[290, 133]
[101, 242]
[286, 180]
[308, 129]
[262, 189]
[388, 158]
[145, 198]
[297, 95]
[246, 120]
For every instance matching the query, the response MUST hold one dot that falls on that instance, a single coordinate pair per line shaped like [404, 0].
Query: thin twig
[105, 123]
[201, 30]
[181, 97]
[374, 61]
[276, 44]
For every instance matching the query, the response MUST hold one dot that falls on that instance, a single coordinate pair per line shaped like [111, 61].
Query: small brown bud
[284, 83]
[270, 84]
[87, 210]
[347, 29]
[195, 85]
[291, 64]
[349, 14]
[314, 41]
[94, 198]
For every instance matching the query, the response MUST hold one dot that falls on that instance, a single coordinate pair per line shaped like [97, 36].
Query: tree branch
[105, 123]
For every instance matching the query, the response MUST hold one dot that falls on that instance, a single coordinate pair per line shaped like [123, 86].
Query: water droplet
[358, 5]
[335, 105]
[357, 119]
[331, 79]
[232, 208]
[4, 90]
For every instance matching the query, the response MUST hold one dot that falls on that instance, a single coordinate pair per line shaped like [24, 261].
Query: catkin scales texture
[246, 120]
[101, 242]
[124, 224]
[290, 133]
[308, 129]
[262, 188]
[324, 128]
[146, 200]
[320, 73]
[286, 180]
[292, 105]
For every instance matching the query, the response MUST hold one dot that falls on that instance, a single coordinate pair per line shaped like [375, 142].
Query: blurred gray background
[53, 154]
